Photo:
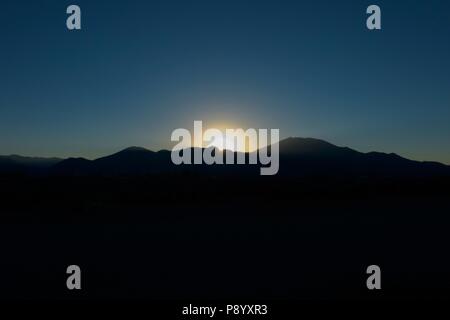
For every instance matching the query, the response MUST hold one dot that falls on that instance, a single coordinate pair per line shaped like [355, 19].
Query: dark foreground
[221, 239]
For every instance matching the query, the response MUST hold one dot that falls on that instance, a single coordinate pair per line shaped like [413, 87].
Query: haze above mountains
[298, 157]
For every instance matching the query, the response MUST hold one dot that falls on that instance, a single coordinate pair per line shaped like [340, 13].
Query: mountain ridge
[298, 156]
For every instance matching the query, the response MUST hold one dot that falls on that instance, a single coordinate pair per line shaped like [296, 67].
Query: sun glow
[226, 143]
[236, 140]
[222, 138]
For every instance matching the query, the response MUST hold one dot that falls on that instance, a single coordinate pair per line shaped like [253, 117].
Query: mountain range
[298, 157]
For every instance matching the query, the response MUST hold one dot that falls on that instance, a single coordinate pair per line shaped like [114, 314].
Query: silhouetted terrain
[141, 227]
[298, 157]
[15, 164]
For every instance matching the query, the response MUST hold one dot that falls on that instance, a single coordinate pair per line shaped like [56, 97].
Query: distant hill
[19, 164]
[130, 161]
[298, 157]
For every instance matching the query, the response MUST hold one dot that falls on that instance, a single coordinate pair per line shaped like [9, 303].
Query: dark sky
[139, 69]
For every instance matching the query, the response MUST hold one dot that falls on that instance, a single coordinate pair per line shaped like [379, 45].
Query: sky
[137, 70]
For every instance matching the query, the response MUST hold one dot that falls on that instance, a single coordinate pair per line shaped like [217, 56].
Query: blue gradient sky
[139, 69]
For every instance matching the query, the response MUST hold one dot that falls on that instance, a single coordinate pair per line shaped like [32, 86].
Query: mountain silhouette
[20, 164]
[298, 157]
[130, 161]
[308, 156]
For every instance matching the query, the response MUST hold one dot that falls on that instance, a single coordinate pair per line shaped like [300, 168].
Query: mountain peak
[134, 149]
[305, 145]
